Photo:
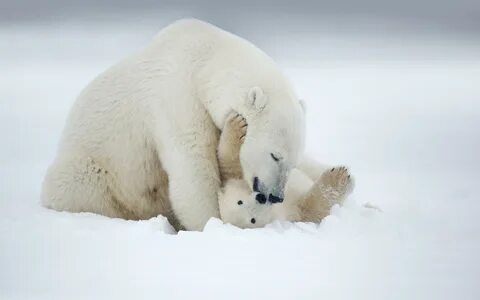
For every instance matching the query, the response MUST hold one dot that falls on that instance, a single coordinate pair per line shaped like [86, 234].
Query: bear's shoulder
[184, 27]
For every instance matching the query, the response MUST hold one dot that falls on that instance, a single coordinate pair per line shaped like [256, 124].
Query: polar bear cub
[306, 199]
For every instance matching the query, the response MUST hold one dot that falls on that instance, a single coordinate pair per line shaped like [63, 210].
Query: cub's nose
[274, 199]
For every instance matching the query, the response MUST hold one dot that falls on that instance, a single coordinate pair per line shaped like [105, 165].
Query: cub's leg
[331, 188]
[228, 151]
[81, 185]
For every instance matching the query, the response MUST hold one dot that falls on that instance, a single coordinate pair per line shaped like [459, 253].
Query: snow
[404, 114]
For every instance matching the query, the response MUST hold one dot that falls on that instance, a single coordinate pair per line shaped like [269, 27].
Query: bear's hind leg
[81, 185]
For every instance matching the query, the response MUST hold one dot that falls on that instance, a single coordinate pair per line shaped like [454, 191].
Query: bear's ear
[303, 105]
[256, 98]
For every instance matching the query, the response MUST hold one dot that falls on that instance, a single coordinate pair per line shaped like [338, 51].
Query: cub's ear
[303, 105]
[256, 98]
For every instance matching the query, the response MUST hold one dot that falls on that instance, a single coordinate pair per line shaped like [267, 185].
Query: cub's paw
[338, 181]
[235, 127]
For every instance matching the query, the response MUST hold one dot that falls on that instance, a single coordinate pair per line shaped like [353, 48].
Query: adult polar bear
[141, 138]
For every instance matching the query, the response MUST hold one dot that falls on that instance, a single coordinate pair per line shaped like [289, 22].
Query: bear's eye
[274, 157]
[240, 202]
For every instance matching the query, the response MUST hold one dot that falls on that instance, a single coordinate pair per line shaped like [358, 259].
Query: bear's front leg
[193, 180]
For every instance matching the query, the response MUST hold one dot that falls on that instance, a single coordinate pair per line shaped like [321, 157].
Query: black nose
[261, 198]
[253, 220]
[274, 199]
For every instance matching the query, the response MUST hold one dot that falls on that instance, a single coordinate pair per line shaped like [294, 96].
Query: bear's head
[264, 97]
[239, 207]
[274, 142]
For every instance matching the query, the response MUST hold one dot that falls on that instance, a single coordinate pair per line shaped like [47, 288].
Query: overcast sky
[457, 16]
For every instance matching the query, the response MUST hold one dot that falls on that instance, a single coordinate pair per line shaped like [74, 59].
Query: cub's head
[274, 141]
[239, 207]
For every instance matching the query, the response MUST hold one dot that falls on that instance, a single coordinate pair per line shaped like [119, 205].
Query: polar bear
[306, 199]
[141, 138]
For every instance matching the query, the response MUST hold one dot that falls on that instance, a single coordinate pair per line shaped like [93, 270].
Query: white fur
[305, 200]
[141, 138]
[240, 215]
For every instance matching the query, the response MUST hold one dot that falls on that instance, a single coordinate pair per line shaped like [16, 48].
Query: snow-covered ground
[403, 113]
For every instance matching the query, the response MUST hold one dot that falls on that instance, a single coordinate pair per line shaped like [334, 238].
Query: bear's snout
[274, 199]
[261, 198]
